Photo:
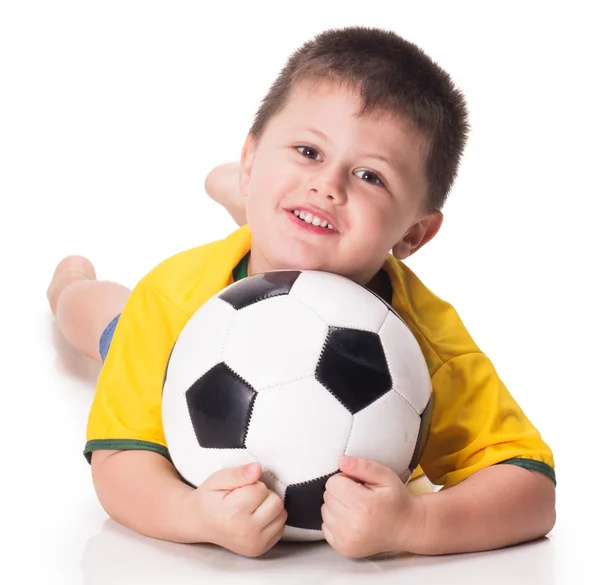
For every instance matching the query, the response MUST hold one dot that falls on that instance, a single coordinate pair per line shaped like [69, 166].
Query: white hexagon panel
[274, 341]
[298, 430]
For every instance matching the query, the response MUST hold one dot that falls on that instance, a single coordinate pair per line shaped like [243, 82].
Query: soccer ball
[293, 369]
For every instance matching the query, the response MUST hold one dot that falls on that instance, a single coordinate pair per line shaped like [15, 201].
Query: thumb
[230, 478]
[367, 471]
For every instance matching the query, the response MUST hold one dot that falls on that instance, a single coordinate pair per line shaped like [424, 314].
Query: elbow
[546, 497]
[222, 182]
[217, 181]
[103, 478]
[211, 182]
[549, 517]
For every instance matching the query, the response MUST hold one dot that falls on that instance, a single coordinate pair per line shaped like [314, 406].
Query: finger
[328, 517]
[230, 478]
[329, 537]
[344, 489]
[336, 507]
[367, 471]
[270, 508]
[248, 498]
[277, 524]
[275, 538]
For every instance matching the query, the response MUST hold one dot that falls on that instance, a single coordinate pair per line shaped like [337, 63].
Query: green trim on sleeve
[123, 445]
[532, 465]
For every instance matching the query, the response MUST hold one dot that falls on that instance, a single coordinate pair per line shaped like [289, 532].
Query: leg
[222, 185]
[82, 305]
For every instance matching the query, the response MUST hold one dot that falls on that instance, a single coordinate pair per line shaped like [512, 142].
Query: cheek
[370, 215]
[269, 177]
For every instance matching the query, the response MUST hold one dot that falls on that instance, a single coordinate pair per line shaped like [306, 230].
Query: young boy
[352, 154]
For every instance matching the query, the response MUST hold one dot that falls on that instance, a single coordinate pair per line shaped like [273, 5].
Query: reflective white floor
[112, 113]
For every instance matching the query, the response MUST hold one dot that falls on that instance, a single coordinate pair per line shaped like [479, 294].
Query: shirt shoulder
[433, 321]
[187, 279]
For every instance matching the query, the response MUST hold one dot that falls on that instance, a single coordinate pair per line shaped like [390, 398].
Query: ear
[246, 163]
[418, 235]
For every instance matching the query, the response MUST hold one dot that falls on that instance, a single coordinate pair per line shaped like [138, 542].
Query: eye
[370, 177]
[308, 152]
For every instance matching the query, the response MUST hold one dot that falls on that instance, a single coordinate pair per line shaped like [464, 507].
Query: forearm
[143, 491]
[496, 507]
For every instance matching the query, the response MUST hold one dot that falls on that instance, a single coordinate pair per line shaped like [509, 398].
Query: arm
[232, 508]
[368, 510]
[143, 491]
[496, 507]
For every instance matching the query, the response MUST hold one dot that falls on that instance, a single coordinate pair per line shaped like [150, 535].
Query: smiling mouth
[311, 219]
[311, 223]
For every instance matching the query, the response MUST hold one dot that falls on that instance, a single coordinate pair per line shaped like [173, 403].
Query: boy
[352, 154]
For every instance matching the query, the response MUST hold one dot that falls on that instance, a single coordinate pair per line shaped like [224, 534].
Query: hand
[368, 510]
[237, 511]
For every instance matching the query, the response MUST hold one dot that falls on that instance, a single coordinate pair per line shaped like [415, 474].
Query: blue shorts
[106, 337]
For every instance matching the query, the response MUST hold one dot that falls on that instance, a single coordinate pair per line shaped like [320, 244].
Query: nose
[328, 184]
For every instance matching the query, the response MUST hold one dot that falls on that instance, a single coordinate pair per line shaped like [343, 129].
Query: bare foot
[68, 270]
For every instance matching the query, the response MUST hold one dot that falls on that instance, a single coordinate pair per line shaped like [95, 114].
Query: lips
[314, 216]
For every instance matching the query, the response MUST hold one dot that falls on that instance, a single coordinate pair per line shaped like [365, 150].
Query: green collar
[241, 270]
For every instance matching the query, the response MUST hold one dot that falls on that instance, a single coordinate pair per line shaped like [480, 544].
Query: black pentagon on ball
[220, 405]
[303, 502]
[353, 367]
[423, 436]
[259, 287]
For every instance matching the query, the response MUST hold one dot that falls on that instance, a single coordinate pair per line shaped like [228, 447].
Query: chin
[297, 261]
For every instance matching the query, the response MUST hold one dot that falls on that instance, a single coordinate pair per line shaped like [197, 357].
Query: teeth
[312, 219]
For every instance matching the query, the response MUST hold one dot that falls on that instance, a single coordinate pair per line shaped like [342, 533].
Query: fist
[239, 512]
[368, 510]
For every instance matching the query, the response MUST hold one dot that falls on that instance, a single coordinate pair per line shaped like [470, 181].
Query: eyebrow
[314, 131]
[326, 139]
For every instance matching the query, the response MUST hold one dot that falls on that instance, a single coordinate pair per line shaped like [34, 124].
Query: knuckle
[332, 481]
[278, 504]
[256, 488]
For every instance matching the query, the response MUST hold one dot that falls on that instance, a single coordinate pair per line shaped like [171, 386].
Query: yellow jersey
[475, 421]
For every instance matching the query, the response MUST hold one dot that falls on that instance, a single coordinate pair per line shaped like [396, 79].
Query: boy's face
[362, 177]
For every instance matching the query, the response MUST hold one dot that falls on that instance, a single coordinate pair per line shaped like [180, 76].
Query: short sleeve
[126, 410]
[476, 423]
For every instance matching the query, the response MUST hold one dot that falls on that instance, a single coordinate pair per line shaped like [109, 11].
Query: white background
[111, 115]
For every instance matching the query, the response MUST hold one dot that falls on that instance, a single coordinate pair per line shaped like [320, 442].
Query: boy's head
[364, 132]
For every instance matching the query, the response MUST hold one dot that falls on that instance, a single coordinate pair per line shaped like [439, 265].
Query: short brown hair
[393, 75]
